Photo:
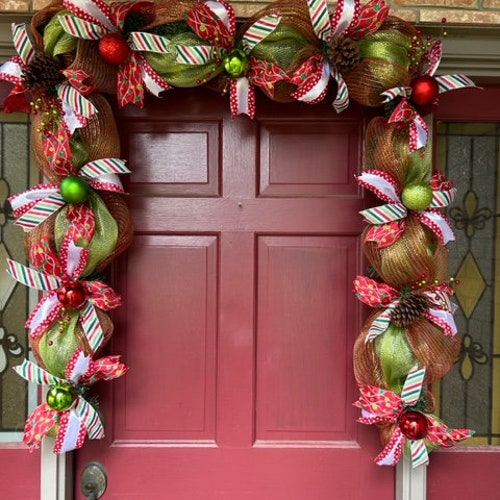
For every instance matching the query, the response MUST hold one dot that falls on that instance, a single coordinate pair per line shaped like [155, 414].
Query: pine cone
[410, 308]
[343, 53]
[43, 73]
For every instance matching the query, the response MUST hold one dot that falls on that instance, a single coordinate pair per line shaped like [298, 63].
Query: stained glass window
[16, 174]
[469, 396]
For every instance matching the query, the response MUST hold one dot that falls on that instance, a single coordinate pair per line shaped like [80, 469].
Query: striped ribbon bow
[215, 22]
[76, 108]
[58, 276]
[439, 310]
[92, 19]
[389, 220]
[350, 19]
[41, 201]
[384, 406]
[80, 419]
[407, 112]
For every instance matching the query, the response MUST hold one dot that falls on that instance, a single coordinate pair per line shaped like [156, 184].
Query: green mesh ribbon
[58, 344]
[55, 40]
[396, 357]
[105, 236]
[180, 74]
[281, 46]
[389, 45]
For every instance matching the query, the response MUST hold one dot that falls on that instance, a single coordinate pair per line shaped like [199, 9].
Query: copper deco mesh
[415, 255]
[99, 139]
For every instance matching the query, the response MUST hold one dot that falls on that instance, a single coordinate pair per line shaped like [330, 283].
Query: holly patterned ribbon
[80, 419]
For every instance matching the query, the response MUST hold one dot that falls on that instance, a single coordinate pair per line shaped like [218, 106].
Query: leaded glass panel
[469, 396]
[16, 175]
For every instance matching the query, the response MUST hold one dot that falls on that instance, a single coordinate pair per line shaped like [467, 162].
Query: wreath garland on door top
[292, 50]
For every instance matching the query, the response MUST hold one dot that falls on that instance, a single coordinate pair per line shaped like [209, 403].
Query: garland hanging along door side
[76, 222]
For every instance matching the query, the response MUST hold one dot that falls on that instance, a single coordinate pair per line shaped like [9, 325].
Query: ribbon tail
[38, 424]
[386, 234]
[454, 82]
[130, 87]
[418, 133]
[33, 373]
[89, 418]
[412, 387]
[71, 433]
[315, 85]
[32, 278]
[341, 101]
[152, 80]
[260, 30]
[419, 455]
[381, 323]
[242, 97]
[33, 214]
[393, 450]
[320, 18]
[22, 42]
[438, 223]
[42, 316]
[91, 326]
[384, 214]
[443, 319]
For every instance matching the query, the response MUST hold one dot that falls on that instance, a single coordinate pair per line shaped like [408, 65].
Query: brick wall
[457, 12]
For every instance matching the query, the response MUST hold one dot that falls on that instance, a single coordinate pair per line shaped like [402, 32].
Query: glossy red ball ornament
[72, 295]
[413, 425]
[425, 90]
[113, 48]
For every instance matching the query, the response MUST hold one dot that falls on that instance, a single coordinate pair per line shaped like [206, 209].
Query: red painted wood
[239, 316]
[466, 472]
[19, 473]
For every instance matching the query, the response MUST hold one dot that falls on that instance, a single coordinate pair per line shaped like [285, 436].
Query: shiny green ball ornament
[416, 196]
[236, 63]
[74, 189]
[61, 397]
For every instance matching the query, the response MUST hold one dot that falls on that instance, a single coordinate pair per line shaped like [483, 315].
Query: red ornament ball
[413, 425]
[113, 48]
[72, 295]
[425, 90]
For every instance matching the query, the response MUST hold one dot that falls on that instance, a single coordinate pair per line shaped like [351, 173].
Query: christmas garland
[293, 50]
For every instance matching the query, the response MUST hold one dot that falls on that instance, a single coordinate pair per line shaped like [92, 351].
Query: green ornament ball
[74, 189]
[416, 196]
[236, 63]
[61, 397]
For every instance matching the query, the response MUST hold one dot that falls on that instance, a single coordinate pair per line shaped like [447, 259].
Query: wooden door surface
[239, 315]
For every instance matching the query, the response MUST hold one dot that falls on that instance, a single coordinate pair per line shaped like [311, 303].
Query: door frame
[472, 50]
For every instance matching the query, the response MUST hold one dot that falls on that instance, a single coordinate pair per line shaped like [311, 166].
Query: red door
[239, 318]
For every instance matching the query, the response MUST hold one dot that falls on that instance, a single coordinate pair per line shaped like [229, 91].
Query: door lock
[93, 480]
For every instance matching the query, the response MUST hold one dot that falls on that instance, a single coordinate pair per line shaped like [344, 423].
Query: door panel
[239, 316]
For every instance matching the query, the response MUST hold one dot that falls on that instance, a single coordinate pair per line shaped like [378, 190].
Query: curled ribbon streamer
[67, 268]
[386, 188]
[380, 405]
[81, 419]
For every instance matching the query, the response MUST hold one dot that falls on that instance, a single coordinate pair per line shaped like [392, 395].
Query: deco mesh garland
[76, 223]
